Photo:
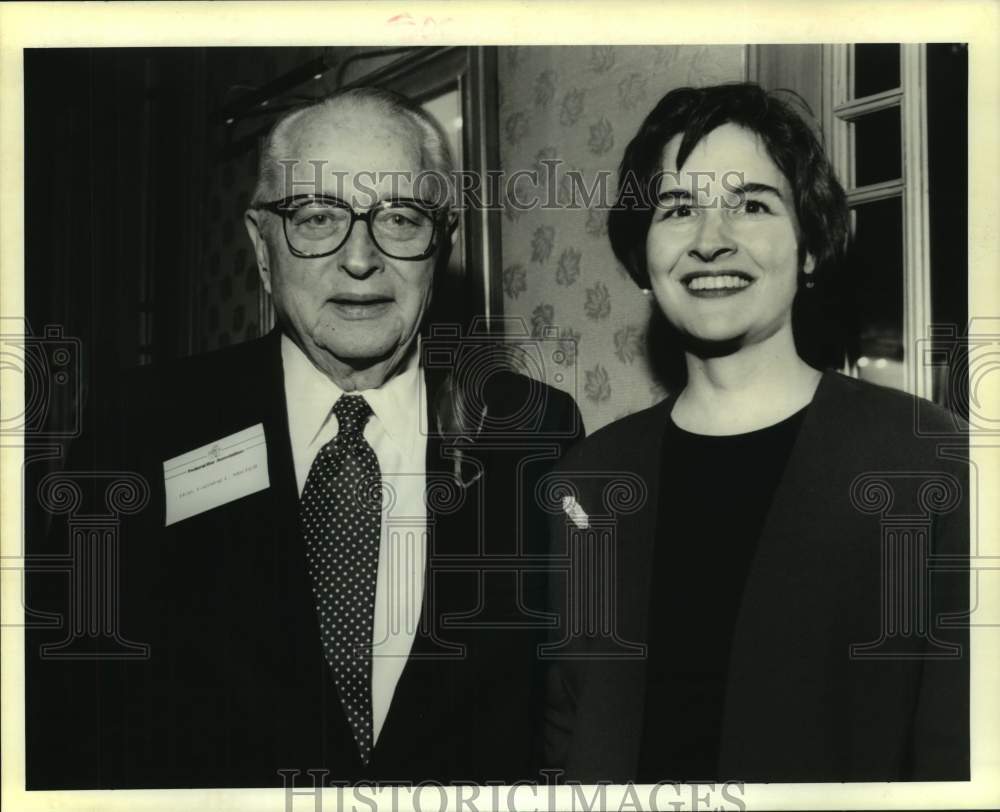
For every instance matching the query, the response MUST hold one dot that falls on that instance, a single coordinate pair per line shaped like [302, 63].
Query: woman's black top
[714, 496]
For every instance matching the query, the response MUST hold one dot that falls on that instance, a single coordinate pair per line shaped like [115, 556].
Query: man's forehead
[356, 152]
[319, 129]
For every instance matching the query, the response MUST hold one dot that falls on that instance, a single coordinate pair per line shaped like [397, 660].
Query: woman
[766, 610]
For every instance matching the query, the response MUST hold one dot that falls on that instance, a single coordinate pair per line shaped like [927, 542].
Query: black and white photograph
[417, 419]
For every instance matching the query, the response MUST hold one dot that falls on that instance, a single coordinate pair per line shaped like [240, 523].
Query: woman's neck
[750, 389]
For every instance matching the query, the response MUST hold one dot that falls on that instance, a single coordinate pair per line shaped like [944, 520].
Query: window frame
[839, 111]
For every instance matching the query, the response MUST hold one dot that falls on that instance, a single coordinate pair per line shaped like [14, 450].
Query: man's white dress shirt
[397, 432]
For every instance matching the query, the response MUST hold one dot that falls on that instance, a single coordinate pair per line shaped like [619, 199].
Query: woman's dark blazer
[850, 658]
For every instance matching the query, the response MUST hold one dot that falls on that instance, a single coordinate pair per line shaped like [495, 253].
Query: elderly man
[335, 571]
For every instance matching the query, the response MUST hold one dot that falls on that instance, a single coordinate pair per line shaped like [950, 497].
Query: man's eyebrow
[311, 198]
[754, 188]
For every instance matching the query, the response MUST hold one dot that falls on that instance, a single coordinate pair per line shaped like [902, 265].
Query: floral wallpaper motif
[630, 343]
[572, 108]
[545, 88]
[598, 385]
[541, 317]
[632, 91]
[602, 58]
[569, 267]
[515, 280]
[541, 243]
[576, 108]
[598, 304]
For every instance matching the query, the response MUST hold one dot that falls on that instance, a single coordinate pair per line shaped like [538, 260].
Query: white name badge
[210, 476]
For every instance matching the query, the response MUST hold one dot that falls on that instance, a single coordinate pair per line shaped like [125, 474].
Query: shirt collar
[311, 395]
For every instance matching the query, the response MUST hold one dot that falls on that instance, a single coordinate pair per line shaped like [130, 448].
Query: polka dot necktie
[341, 518]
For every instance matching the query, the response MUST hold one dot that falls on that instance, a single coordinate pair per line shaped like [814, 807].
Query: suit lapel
[286, 538]
[795, 582]
[268, 529]
[614, 724]
[443, 537]
[638, 529]
[424, 685]
[280, 462]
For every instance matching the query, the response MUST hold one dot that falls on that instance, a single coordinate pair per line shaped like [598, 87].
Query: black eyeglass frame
[443, 224]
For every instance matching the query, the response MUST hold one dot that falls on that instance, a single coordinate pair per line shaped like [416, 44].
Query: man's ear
[254, 228]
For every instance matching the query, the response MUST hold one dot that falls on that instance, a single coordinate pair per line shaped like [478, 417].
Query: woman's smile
[708, 285]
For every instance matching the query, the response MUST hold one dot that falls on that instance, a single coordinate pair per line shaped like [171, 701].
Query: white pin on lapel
[230, 468]
[576, 513]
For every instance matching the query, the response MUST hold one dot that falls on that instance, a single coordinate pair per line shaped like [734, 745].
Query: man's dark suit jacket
[236, 687]
[866, 464]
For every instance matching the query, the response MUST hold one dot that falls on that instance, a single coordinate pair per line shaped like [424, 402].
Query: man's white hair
[427, 135]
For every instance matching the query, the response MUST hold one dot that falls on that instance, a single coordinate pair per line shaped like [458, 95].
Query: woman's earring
[810, 282]
[646, 291]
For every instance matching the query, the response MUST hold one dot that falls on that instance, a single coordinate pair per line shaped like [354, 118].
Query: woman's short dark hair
[692, 113]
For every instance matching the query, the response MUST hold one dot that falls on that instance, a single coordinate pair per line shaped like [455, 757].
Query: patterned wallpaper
[581, 106]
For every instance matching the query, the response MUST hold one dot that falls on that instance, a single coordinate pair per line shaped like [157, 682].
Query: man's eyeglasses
[318, 226]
